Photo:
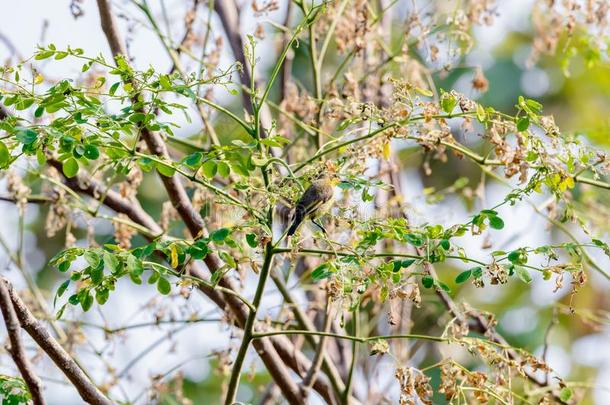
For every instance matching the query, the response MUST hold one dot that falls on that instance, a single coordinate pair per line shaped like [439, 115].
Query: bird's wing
[308, 201]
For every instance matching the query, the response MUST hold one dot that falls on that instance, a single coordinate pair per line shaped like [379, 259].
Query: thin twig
[319, 356]
[350, 376]
[547, 337]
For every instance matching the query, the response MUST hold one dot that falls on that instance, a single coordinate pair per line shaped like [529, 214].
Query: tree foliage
[197, 169]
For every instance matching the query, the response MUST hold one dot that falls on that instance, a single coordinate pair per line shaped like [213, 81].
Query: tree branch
[87, 390]
[131, 208]
[229, 17]
[16, 349]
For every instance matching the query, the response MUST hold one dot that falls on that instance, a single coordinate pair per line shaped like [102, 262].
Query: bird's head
[329, 177]
[329, 173]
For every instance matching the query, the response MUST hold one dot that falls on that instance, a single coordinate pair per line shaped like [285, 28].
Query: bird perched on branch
[315, 201]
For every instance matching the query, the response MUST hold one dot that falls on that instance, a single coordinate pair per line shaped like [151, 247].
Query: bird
[314, 202]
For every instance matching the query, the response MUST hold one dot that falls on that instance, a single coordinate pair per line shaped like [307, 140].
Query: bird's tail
[299, 214]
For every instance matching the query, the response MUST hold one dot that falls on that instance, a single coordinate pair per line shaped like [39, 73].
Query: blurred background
[575, 91]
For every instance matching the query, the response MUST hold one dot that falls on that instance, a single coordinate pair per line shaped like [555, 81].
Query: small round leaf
[70, 167]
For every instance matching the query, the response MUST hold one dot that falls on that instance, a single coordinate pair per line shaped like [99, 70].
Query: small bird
[314, 202]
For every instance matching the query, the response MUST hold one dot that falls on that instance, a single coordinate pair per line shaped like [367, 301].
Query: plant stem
[319, 356]
[249, 327]
[315, 71]
[352, 367]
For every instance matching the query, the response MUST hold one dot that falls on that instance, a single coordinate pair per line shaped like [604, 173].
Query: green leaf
[517, 256]
[5, 155]
[137, 117]
[414, 239]
[148, 250]
[43, 55]
[24, 103]
[598, 242]
[165, 169]
[114, 88]
[481, 113]
[164, 286]
[154, 277]
[112, 262]
[463, 276]
[223, 169]
[209, 169]
[477, 272]
[427, 281]
[63, 287]
[134, 266]
[565, 394]
[26, 136]
[219, 235]
[445, 244]
[344, 124]
[321, 272]
[92, 258]
[406, 263]
[228, 259]
[101, 296]
[496, 222]
[136, 279]
[165, 83]
[443, 286]
[251, 239]
[40, 157]
[60, 312]
[523, 124]
[345, 185]
[383, 294]
[64, 266]
[199, 250]
[86, 301]
[271, 143]
[91, 152]
[424, 92]
[397, 264]
[97, 274]
[448, 103]
[193, 159]
[534, 105]
[78, 151]
[70, 167]
[523, 274]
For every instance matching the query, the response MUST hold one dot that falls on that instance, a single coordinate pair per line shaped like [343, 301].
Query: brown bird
[314, 202]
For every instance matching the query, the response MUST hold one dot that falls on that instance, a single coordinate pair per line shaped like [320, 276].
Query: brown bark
[16, 349]
[87, 390]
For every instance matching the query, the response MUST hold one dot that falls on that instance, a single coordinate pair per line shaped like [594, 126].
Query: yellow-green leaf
[70, 167]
